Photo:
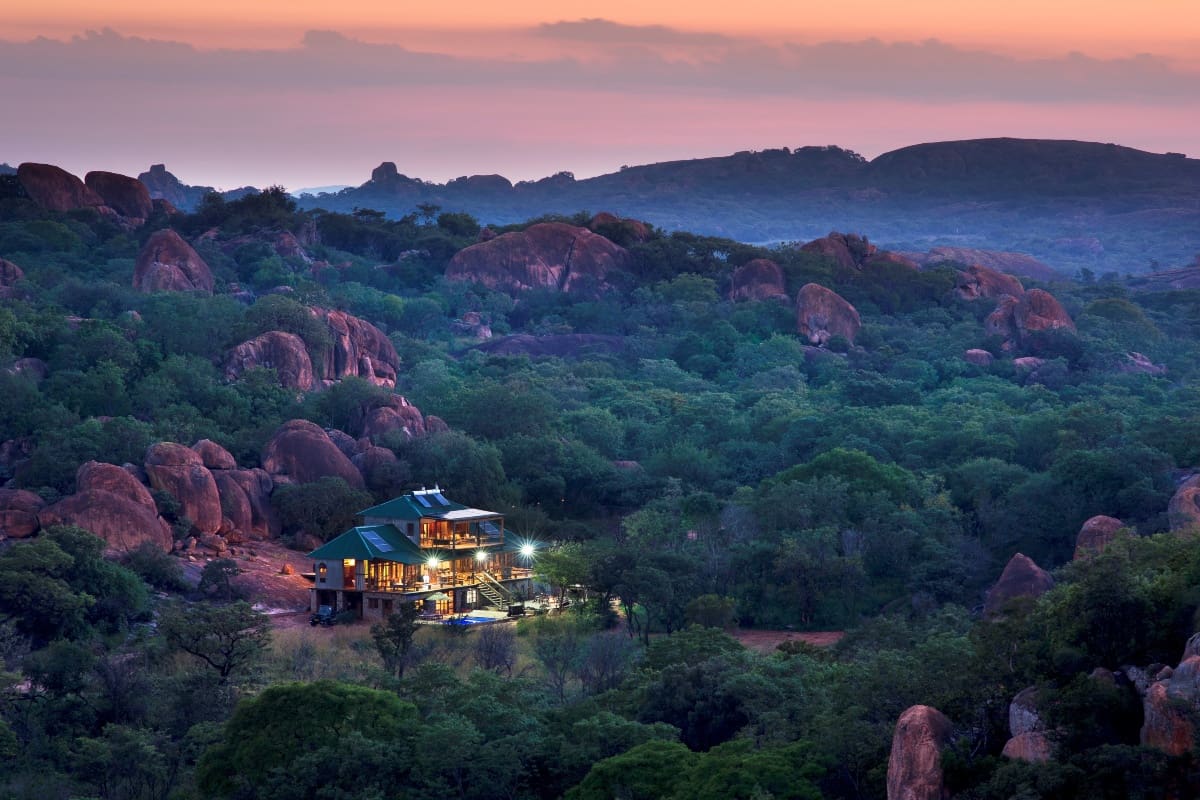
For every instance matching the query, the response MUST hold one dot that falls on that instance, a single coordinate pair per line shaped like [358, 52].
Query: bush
[157, 568]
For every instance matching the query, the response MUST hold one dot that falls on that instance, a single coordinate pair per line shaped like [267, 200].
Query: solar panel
[422, 500]
[438, 496]
[381, 544]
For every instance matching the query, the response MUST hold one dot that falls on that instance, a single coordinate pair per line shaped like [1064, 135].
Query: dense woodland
[711, 470]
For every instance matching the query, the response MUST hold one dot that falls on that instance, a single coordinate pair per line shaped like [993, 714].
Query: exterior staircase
[495, 592]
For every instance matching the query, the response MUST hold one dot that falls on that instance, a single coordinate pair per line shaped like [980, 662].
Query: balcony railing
[458, 541]
[442, 582]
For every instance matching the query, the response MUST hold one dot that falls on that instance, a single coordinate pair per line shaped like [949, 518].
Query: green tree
[228, 638]
[324, 508]
[292, 727]
[394, 637]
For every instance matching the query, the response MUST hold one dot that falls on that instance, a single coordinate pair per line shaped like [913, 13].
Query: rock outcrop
[548, 255]
[1000, 321]
[999, 261]
[169, 264]
[283, 352]
[980, 358]
[1033, 747]
[246, 501]
[1165, 725]
[846, 249]
[1016, 320]
[123, 194]
[10, 274]
[55, 189]
[1184, 509]
[1038, 310]
[397, 415]
[1021, 578]
[301, 452]
[19, 513]
[977, 281]
[1171, 704]
[822, 314]
[853, 251]
[213, 456]
[1029, 740]
[1095, 535]
[620, 230]
[33, 369]
[114, 505]
[179, 471]
[359, 349]
[1023, 714]
[760, 279]
[1137, 363]
[162, 185]
[915, 763]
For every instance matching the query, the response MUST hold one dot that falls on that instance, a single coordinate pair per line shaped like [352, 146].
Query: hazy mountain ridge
[1074, 204]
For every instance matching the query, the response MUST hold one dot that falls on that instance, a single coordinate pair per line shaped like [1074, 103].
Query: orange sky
[526, 88]
[1100, 27]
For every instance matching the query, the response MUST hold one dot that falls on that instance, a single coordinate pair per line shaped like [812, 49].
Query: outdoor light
[481, 556]
[432, 563]
[527, 550]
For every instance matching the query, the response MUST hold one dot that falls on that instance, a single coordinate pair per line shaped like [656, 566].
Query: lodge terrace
[421, 547]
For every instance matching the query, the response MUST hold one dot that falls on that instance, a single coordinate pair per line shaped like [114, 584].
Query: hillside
[1081, 205]
[987, 480]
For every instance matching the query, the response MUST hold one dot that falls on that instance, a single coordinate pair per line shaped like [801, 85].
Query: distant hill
[1070, 204]
[165, 186]
[315, 190]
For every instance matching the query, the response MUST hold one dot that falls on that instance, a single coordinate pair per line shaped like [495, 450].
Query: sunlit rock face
[55, 189]
[1021, 578]
[114, 505]
[822, 314]
[359, 349]
[977, 281]
[549, 255]
[179, 471]
[127, 196]
[301, 452]
[278, 350]
[169, 264]
[1095, 535]
[915, 763]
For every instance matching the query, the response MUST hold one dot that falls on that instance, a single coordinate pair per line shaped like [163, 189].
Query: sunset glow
[310, 93]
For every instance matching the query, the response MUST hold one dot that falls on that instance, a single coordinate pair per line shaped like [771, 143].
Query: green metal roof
[414, 505]
[371, 542]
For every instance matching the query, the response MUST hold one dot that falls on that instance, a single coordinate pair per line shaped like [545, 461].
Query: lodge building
[421, 547]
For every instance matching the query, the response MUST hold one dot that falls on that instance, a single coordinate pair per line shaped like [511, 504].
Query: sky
[306, 93]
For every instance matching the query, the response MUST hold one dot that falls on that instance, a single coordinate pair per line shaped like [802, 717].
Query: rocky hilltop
[1031, 201]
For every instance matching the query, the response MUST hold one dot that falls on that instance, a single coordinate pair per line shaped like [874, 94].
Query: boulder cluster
[1020, 315]
[358, 349]
[821, 313]
[225, 505]
[120, 198]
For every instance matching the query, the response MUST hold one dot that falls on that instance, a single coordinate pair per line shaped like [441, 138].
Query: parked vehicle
[324, 616]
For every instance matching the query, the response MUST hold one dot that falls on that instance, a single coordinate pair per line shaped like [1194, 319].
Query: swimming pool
[469, 620]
